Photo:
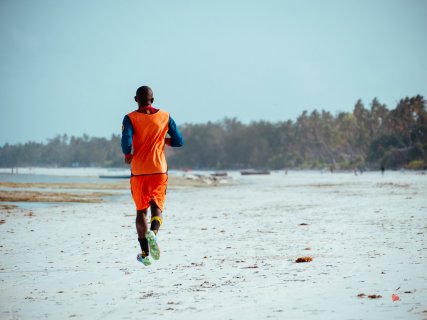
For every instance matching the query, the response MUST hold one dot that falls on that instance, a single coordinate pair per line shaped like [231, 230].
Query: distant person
[382, 169]
[144, 130]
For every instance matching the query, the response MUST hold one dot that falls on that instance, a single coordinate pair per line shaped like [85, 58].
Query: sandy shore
[108, 184]
[228, 252]
[37, 196]
[46, 192]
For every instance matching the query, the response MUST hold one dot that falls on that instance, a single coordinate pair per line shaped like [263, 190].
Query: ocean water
[58, 174]
[44, 178]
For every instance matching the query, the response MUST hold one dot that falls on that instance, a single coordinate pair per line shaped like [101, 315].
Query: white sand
[228, 253]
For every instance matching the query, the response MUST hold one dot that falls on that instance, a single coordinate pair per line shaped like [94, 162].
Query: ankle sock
[144, 246]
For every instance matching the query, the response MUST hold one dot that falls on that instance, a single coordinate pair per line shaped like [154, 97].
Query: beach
[229, 251]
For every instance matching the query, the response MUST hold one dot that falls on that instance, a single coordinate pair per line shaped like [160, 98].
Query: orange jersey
[148, 141]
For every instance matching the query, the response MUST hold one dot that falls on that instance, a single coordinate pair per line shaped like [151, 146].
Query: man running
[144, 130]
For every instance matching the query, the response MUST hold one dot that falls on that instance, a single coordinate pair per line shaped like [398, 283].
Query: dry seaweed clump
[8, 207]
[37, 196]
[304, 259]
[371, 296]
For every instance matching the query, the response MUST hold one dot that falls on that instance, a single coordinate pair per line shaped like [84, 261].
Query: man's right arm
[126, 142]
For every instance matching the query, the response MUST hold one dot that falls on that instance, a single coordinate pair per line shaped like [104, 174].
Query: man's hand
[128, 158]
[168, 141]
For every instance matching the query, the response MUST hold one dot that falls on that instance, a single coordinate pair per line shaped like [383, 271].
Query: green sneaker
[146, 261]
[152, 243]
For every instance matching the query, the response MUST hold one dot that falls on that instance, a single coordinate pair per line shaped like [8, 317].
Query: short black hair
[144, 93]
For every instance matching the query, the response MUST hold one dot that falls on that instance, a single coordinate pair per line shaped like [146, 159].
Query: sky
[73, 66]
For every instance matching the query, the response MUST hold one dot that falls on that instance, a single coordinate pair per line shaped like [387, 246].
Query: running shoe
[152, 243]
[146, 261]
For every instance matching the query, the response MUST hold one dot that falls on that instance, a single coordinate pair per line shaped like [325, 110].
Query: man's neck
[147, 109]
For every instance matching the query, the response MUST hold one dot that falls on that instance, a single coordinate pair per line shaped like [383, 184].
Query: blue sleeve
[176, 137]
[127, 132]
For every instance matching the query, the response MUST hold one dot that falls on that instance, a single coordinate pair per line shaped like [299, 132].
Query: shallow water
[43, 178]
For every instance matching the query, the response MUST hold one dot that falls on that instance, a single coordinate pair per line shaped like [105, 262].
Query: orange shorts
[149, 188]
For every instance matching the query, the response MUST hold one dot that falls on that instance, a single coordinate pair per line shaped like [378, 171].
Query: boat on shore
[254, 172]
[114, 177]
[219, 174]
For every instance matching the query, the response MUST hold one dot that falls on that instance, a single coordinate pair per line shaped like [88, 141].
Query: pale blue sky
[73, 66]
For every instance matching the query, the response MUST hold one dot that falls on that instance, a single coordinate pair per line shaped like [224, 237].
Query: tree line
[367, 137]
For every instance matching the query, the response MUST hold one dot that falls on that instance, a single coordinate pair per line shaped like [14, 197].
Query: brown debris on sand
[304, 259]
[198, 180]
[371, 296]
[393, 184]
[324, 185]
[37, 196]
[99, 190]
[123, 184]
[8, 207]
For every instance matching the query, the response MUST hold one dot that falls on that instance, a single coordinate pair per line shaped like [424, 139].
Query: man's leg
[142, 228]
[156, 221]
[156, 217]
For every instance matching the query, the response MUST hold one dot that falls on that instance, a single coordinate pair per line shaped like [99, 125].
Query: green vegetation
[365, 138]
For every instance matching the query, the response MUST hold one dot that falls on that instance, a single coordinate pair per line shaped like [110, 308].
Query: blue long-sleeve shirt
[127, 132]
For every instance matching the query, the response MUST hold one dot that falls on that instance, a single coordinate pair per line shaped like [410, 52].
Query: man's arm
[126, 143]
[175, 139]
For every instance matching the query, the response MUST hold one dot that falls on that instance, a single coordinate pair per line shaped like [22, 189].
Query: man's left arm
[175, 139]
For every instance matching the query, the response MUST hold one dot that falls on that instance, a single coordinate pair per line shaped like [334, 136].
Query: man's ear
[136, 100]
[152, 100]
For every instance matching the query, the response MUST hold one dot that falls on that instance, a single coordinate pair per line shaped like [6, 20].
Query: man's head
[144, 96]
